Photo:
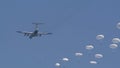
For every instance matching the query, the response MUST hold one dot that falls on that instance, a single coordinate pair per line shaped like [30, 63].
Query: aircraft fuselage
[35, 33]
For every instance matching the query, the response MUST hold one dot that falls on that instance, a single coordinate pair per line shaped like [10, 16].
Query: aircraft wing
[43, 33]
[25, 32]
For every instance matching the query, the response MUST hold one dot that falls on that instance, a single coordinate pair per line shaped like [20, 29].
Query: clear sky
[74, 24]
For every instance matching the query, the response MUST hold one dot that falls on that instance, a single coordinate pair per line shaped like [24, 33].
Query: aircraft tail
[36, 25]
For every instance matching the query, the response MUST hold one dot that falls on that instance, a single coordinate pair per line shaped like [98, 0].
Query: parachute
[79, 54]
[89, 47]
[57, 64]
[65, 59]
[93, 62]
[98, 56]
[99, 37]
[116, 40]
[118, 25]
[113, 46]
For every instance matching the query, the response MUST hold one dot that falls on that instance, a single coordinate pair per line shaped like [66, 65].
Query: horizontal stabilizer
[37, 23]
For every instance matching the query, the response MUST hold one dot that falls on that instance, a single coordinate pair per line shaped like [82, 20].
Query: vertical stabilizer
[36, 25]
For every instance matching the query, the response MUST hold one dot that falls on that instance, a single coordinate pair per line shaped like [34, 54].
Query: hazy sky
[74, 24]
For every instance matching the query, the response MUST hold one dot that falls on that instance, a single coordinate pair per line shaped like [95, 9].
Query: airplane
[35, 33]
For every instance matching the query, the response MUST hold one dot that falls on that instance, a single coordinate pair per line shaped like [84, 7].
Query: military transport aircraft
[35, 33]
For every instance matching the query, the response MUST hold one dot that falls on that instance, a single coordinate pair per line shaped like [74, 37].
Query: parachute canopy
[57, 64]
[116, 40]
[65, 59]
[93, 62]
[78, 54]
[98, 56]
[89, 47]
[99, 37]
[118, 25]
[113, 46]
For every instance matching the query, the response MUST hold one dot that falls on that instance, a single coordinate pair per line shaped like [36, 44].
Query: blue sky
[74, 24]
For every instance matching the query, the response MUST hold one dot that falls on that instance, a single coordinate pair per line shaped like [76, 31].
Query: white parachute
[118, 25]
[113, 46]
[99, 37]
[89, 47]
[65, 59]
[116, 40]
[93, 62]
[57, 64]
[78, 54]
[98, 56]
